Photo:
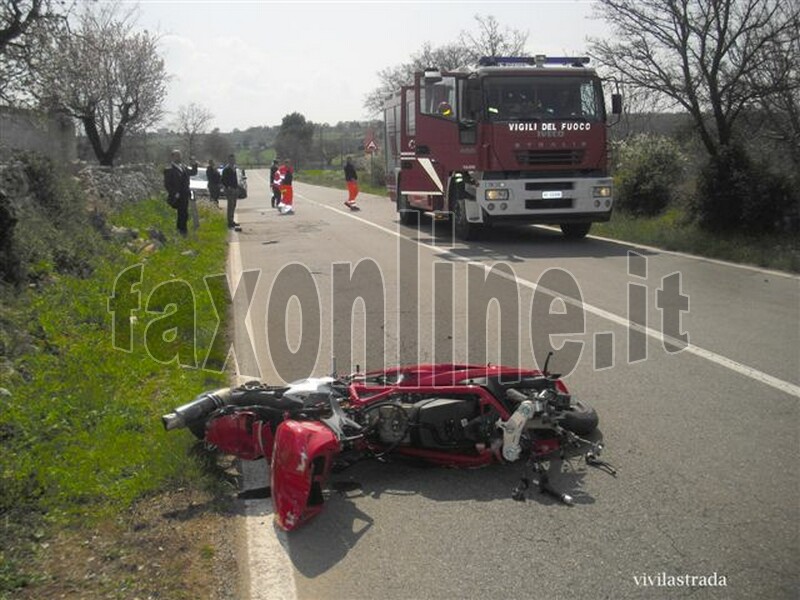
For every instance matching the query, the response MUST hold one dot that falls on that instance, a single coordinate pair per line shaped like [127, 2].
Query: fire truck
[516, 139]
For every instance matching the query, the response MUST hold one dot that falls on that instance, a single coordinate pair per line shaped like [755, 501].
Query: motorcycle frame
[302, 452]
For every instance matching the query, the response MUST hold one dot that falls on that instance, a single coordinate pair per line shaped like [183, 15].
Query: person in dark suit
[176, 182]
[230, 181]
[214, 181]
[276, 187]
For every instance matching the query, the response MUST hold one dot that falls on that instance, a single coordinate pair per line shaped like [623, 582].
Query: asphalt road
[703, 429]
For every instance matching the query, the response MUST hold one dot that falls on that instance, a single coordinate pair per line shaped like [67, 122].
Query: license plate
[551, 195]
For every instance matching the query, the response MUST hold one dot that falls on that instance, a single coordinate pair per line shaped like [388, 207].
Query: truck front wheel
[407, 216]
[575, 231]
[463, 229]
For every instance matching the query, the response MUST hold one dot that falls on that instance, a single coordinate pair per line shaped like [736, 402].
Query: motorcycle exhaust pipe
[199, 408]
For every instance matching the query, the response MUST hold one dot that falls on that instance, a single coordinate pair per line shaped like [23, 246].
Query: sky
[250, 63]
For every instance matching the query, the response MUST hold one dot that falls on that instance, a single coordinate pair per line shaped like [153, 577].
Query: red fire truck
[517, 139]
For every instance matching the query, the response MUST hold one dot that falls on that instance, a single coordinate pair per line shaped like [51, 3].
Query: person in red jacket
[287, 193]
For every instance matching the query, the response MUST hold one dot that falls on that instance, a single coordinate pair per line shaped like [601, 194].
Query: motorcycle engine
[392, 422]
[440, 423]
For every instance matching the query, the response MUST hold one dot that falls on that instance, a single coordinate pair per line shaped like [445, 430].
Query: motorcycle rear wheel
[580, 419]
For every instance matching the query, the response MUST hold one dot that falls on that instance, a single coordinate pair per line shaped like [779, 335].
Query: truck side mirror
[616, 104]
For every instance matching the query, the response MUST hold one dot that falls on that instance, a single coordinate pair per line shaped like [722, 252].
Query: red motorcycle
[445, 414]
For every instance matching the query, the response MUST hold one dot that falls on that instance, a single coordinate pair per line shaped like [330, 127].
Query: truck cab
[513, 140]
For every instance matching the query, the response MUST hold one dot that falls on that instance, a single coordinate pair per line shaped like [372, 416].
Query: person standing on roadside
[230, 181]
[176, 182]
[214, 181]
[351, 177]
[275, 184]
[287, 193]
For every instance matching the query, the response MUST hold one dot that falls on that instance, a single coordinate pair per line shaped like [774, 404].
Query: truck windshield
[542, 97]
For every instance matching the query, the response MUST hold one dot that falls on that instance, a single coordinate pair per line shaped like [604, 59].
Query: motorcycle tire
[580, 419]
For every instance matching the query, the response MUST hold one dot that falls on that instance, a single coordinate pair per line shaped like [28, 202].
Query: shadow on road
[512, 243]
[324, 542]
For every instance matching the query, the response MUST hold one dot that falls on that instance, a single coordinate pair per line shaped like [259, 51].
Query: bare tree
[778, 85]
[488, 41]
[25, 27]
[192, 120]
[699, 54]
[448, 56]
[108, 76]
[492, 40]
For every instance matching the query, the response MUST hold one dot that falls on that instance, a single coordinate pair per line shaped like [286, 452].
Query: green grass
[255, 158]
[79, 426]
[335, 179]
[672, 230]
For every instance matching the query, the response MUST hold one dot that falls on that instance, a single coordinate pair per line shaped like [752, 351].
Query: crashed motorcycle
[443, 414]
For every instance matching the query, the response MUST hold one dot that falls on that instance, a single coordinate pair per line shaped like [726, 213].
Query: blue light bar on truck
[538, 60]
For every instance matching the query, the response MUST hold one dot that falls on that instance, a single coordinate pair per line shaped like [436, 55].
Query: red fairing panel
[241, 434]
[300, 465]
[447, 374]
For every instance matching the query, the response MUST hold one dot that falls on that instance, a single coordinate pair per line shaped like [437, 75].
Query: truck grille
[550, 158]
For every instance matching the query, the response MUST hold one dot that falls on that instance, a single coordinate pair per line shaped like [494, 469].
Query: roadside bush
[735, 193]
[45, 224]
[772, 205]
[649, 168]
[378, 174]
[722, 187]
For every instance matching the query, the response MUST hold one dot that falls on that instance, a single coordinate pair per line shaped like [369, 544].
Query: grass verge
[79, 418]
[672, 230]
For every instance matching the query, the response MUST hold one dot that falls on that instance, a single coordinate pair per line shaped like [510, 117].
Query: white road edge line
[267, 568]
[765, 378]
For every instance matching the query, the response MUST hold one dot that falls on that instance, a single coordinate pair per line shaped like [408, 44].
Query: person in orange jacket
[351, 177]
[287, 193]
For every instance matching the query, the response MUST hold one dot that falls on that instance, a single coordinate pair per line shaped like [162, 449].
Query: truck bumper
[542, 200]
[548, 219]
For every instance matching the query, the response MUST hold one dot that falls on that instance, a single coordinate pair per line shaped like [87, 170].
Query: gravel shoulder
[180, 544]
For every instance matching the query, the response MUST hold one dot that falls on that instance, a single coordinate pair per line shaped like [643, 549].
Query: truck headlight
[601, 191]
[497, 194]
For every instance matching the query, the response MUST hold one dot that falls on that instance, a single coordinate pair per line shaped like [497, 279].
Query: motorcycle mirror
[546, 363]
